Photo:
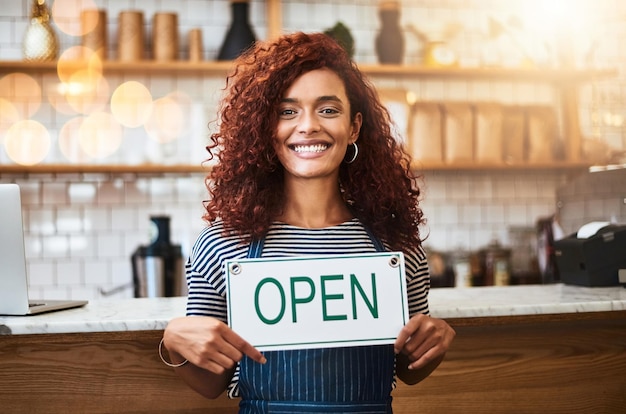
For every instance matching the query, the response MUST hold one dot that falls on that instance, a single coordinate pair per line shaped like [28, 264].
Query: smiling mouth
[309, 148]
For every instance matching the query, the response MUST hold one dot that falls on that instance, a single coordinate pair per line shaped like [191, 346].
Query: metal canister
[158, 267]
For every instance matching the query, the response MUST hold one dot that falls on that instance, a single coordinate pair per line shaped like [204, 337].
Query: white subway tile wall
[81, 229]
[600, 196]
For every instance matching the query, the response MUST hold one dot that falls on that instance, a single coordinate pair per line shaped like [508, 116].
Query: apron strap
[256, 245]
[377, 243]
[256, 248]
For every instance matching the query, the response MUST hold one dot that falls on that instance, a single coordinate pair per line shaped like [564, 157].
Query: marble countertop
[155, 313]
[524, 300]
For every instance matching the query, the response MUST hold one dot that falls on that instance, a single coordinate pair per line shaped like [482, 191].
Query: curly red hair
[246, 185]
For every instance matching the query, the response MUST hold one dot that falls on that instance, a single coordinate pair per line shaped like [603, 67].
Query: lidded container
[158, 267]
[94, 29]
[165, 36]
[130, 36]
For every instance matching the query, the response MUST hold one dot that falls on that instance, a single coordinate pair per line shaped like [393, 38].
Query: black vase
[240, 35]
[390, 38]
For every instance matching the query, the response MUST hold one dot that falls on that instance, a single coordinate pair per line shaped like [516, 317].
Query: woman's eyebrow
[323, 98]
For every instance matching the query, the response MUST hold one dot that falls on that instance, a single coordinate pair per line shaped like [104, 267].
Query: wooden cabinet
[562, 363]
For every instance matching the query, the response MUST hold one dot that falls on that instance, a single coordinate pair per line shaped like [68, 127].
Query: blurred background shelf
[110, 66]
[149, 169]
[418, 71]
[156, 169]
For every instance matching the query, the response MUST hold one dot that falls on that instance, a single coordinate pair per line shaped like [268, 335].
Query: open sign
[317, 301]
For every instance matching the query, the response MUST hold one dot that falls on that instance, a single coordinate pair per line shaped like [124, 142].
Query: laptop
[13, 278]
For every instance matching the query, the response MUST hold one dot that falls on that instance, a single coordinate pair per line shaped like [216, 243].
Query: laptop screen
[13, 278]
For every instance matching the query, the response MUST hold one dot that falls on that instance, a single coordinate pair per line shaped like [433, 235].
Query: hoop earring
[356, 153]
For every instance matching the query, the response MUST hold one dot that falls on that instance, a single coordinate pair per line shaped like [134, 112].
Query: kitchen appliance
[158, 267]
[593, 259]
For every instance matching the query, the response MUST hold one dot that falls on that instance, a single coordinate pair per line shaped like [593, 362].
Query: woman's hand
[207, 343]
[421, 345]
[212, 348]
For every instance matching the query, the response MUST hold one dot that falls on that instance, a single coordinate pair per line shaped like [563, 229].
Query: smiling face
[314, 126]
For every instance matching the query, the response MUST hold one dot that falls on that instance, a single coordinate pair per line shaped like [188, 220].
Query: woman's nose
[309, 122]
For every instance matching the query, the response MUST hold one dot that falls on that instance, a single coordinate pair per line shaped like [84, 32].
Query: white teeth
[310, 148]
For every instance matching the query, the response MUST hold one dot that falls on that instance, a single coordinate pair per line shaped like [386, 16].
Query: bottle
[390, 38]
[546, 256]
[496, 264]
[40, 41]
[240, 35]
[462, 268]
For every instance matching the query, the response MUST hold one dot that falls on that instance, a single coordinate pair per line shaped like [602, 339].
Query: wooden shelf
[531, 74]
[157, 169]
[148, 169]
[476, 166]
[110, 66]
[419, 71]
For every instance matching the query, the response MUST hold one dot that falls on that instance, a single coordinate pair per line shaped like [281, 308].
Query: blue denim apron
[330, 380]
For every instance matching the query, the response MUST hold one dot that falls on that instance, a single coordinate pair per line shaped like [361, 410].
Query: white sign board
[317, 301]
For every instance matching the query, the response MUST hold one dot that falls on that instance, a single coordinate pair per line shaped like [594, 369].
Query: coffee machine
[158, 267]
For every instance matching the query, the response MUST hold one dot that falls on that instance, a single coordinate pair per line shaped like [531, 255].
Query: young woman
[308, 164]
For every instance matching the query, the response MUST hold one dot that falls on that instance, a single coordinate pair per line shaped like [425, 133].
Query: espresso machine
[158, 267]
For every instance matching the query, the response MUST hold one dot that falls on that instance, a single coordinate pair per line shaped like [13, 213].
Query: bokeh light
[23, 91]
[69, 141]
[84, 96]
[131, 104]
[66, 15]
[27, 142]
[8, 115]
[100, 135]
[57, 97]
[79, 58]
[167, 121]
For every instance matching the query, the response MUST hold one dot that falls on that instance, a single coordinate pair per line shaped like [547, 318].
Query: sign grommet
[235, 268]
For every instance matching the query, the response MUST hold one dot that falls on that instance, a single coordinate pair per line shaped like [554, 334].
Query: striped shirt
[206, 275]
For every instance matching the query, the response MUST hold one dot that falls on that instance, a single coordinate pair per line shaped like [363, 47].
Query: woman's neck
[314, 205]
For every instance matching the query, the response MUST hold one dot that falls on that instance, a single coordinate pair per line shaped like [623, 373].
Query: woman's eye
[329, 111]
[287, 112]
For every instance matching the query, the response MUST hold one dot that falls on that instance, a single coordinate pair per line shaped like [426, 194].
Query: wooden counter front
[570, 363]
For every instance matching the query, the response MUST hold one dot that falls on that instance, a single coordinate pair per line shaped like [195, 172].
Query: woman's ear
[356, 127]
